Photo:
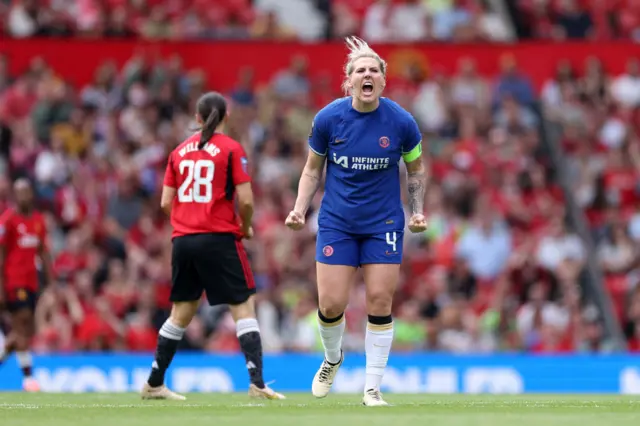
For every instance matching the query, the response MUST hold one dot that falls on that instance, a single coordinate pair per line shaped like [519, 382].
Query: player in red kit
[22, 240]
[206, 175]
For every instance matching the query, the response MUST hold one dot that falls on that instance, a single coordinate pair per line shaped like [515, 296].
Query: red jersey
[21, 236]
[206, 180]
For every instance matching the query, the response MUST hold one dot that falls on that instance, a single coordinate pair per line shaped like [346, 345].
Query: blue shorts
[341, 248]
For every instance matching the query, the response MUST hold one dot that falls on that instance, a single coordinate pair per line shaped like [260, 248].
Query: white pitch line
[7, 406]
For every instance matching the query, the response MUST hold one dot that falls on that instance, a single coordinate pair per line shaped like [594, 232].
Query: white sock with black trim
[331, 332]
[378, 341]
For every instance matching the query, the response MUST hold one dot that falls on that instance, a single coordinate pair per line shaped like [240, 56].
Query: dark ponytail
[209, 128]
[212, 108]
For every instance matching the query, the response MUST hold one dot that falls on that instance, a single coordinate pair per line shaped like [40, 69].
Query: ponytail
[212, 109]
[209, 128]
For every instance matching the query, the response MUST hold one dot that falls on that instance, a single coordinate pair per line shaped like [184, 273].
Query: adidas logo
[251, 365]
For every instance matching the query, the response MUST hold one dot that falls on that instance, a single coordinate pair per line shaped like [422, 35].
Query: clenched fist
[247, 234]
[417, 223]
[295, 220]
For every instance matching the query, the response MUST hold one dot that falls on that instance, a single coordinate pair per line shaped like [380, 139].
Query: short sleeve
[412, 141]
[239, 165]
[318, 137]
[170, 174]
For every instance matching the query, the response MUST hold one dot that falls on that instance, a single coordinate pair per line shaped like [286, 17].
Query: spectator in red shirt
[141, 335]
[72, 259]
[18, 101]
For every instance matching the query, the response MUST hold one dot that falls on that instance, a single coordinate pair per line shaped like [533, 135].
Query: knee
[30, 329]
[379, 303]
[23, 323]
[22, 343]
[331, 307]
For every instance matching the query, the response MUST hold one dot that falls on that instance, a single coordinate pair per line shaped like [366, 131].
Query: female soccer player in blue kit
[361, 222]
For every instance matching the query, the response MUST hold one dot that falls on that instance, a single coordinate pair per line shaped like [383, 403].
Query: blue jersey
[363, 150]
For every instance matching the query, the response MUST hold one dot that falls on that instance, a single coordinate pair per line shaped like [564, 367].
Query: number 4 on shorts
[391, 240]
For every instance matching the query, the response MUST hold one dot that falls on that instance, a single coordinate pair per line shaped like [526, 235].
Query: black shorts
[21, 298]
[214, 263]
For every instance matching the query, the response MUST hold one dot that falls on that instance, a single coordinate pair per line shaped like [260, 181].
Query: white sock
[377, 345]
[171, 330]
[25, 360]
[247, 325]
[3, 349]
[331, 335]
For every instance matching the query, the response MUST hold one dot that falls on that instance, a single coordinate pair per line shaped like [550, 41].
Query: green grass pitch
[20, 409]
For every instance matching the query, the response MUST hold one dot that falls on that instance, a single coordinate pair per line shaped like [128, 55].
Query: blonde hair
[359, 48]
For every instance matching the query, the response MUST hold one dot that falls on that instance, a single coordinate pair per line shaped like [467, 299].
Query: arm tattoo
[416, 184]
[307, 188]
[309, 175]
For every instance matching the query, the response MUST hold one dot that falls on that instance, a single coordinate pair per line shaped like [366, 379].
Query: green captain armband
[414, 154]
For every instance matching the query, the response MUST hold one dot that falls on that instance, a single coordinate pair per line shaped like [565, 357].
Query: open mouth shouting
[367, 88]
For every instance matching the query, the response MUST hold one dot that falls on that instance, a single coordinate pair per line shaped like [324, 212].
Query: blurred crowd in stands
[404, 20]
[375, 20]
[497, 270]
[577, 19]
[598, 116]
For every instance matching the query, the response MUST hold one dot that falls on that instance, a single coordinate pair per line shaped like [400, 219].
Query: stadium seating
[596, 19]
[606, 171]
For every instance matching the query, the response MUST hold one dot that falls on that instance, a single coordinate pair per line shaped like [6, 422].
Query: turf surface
[19, 409]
